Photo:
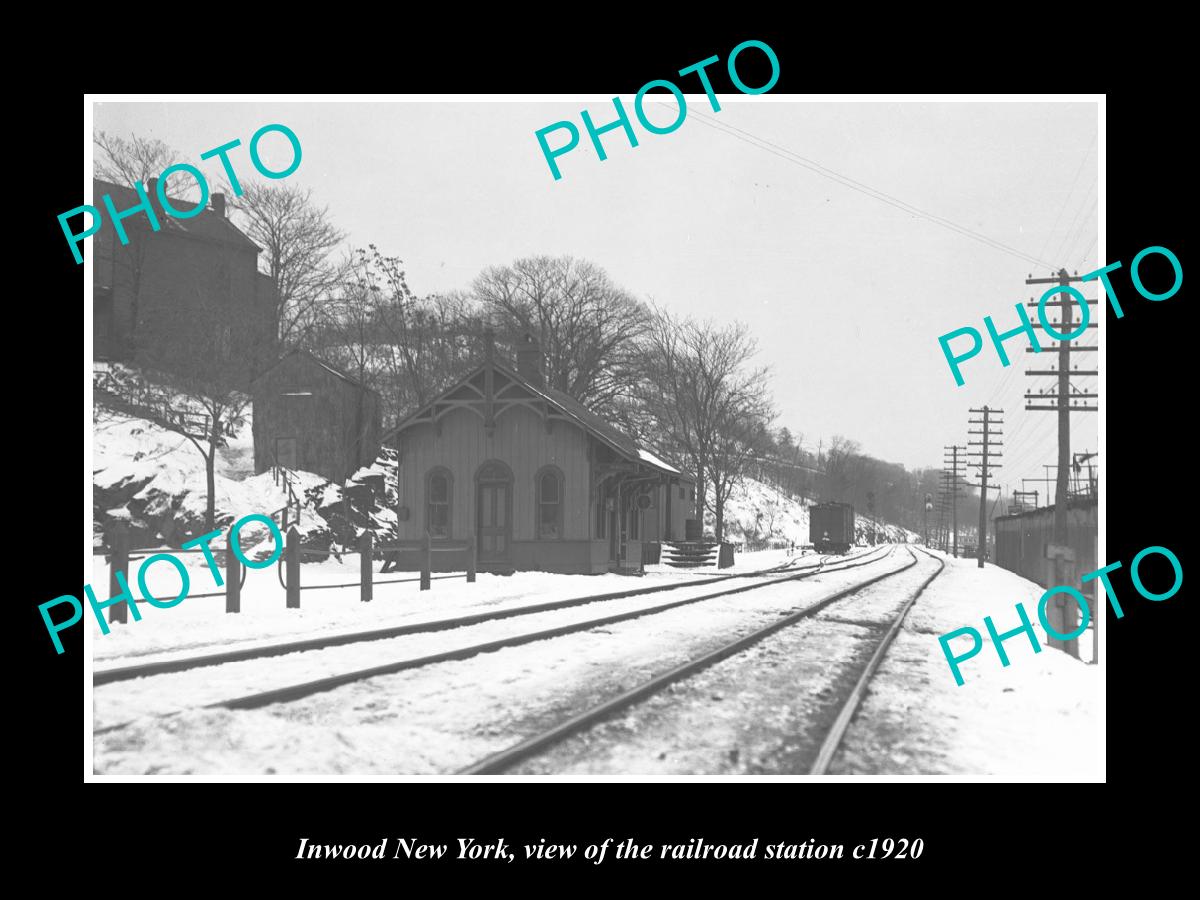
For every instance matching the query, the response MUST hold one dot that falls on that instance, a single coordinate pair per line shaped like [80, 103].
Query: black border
[988, 830]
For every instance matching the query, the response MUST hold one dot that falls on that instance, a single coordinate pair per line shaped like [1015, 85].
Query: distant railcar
[831, 527]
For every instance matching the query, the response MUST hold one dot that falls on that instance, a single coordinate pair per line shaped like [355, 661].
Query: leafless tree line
[687, 389]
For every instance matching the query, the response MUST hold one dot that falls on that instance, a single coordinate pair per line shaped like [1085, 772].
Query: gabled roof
[567, 405]
[207, 225]
[311, 357]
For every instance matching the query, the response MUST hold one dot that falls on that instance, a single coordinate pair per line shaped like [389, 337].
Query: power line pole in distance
[986, 453]
[954, 479]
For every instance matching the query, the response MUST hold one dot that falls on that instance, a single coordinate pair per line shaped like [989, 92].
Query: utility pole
[928, 507]
[871, 511]
[953, 480]
[986, 453]
[1062, 617]
[943, 512]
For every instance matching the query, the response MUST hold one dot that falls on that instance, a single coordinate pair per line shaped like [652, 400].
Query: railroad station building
[538, 480]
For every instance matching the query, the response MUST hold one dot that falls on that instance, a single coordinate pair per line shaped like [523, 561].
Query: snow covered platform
[201, 623]
[1041, 717]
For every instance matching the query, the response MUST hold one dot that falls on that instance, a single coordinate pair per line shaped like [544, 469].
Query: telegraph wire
[1086, 204]
[1070, 193]
[865, 189]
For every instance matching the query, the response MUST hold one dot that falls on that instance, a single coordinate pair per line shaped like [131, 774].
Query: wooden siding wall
[655, 519]
[520, 441]
[324, 424]
[1021, 542]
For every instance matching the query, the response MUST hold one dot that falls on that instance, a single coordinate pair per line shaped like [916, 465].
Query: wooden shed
[534, 477]
[312, 417]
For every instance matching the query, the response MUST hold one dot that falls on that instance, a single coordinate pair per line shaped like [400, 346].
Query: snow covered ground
[757, 514]
[762, 711]
[435, 719]
[200, 624]
[146, 473]
[1039, 717]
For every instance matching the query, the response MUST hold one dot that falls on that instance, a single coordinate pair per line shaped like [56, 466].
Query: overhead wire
[1070, 193]
[862, 188]
[1070, 228]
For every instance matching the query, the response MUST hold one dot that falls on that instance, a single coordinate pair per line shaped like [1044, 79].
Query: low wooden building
[312, 417]
[533, 476]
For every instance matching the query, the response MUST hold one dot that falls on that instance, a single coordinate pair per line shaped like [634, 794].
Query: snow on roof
[647, 456]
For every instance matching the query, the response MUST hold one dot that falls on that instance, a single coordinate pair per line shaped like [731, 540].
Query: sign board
[1055, 551]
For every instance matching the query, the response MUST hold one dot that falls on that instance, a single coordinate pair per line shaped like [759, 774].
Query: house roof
[568, 405]
[311, 357]
[208, 225]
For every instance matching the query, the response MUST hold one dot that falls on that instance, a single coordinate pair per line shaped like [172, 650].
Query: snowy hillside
[758, 516]
[154, 479]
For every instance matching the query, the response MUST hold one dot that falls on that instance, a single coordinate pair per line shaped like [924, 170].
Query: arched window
[549, 486]
[439, 484]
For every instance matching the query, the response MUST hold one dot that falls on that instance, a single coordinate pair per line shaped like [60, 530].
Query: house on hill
[188, 292]
[310, 416]
[537, 479]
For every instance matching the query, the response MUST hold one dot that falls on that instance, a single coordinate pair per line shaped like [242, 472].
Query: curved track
[850, 706]
[512, 756]
[303, 689]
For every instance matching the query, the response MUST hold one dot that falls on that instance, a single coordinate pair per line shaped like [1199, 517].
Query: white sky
[846, 295]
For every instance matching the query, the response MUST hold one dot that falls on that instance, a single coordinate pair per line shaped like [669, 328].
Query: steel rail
[304, 689]
[161, 667]
[837, 731]
[506, 759]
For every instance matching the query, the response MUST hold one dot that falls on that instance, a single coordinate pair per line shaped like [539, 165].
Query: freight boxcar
[831, 527]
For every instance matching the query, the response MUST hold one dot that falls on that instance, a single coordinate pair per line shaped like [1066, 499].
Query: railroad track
[300, 690]
[518, 753]
[181, 664]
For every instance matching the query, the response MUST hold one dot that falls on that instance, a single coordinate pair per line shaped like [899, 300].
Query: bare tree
[298, 240]
[192, 383]
[711, 406]
[840, 468]
[407, 347]
[587, 325]
[124, 162]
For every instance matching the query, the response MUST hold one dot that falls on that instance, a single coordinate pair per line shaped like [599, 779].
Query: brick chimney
[218, 204]
[529, 359]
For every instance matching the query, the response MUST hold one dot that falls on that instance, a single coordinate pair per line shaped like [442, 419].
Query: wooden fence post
[364, 561]
[233, 576]
[426, 564]
[471, 559]
[292, 565]
[118, 545]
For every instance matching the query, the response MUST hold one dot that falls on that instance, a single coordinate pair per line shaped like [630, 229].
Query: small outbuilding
[310, 416]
